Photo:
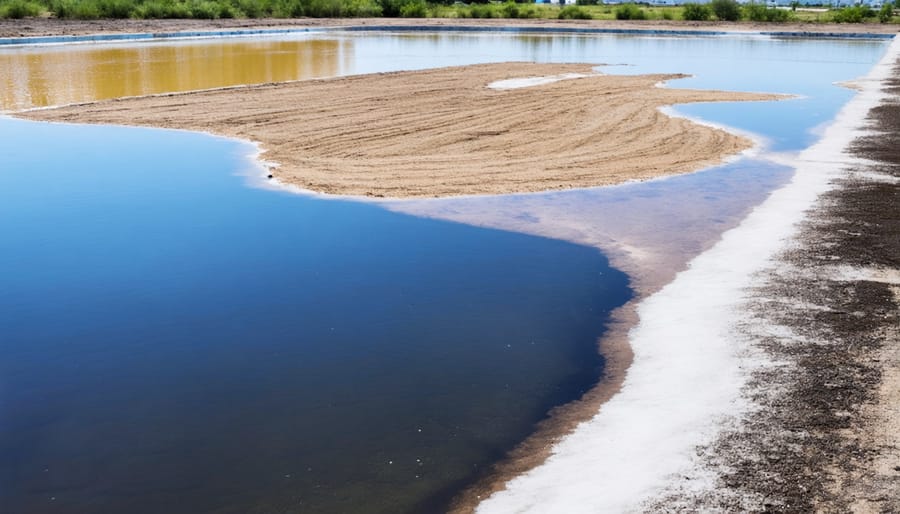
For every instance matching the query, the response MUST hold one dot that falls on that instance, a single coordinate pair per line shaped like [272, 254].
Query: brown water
[40, 77]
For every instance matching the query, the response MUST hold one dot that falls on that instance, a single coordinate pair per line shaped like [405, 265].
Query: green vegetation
[759, 12]
[724, 10]
[630, 12]
[20, 9]
[414, 9]
[509, 9]
[886, 12]
[572, 12]
[696, 12]
[203, 9]
[855, 14]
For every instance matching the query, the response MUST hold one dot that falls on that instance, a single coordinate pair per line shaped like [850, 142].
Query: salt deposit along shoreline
[653, 445]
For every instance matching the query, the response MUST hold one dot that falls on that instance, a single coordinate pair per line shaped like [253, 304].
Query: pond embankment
[37, 27]
[825, 433]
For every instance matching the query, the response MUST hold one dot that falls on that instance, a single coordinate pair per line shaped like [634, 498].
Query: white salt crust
[689, 361]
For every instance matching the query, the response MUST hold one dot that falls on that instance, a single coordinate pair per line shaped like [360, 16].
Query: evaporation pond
[174, 340]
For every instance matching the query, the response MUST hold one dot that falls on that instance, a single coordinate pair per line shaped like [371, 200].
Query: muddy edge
[562, 420]
[826, 434]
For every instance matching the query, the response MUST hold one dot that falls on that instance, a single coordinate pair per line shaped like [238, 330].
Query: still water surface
[176, 341]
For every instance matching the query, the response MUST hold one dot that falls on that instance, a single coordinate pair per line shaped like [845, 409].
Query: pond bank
[825, 433]
[39, 27]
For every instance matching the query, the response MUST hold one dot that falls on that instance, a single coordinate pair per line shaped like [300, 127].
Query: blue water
[175, 341]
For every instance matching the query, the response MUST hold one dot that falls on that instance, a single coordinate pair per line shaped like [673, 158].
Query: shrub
[667, 15]
[204, 10]
[361, 8]
[228, 11]
[161, 9]
[414, 9]
[510, 9]
[886, 12]
[394, 8]
[588, 2]
[115, 8]
[18, 9]
[251, 8]
[322, 8]
[726, 10]
[696, 12]
[759, 12]
[629, 12]
[483, 11]
[573, 12]
[780, 15]
[76, 9]
[856, 14]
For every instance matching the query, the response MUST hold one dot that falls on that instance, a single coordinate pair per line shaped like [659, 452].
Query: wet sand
[444, 132]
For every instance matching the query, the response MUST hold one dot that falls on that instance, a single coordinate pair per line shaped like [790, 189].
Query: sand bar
[444, 132]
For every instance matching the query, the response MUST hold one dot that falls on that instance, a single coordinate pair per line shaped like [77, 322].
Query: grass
[212, 9]
[16, 9]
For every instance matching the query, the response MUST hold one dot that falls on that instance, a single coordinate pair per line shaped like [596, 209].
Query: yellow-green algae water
[47, 76]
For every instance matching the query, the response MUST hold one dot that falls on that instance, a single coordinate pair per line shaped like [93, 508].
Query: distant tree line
[723, 10]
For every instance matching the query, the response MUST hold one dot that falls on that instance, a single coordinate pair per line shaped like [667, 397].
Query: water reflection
[650, 230]
[174, 342]
[42, 77]
[630, 220]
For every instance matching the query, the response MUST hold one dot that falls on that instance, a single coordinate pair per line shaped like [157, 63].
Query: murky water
[174, 340]
[32, 77]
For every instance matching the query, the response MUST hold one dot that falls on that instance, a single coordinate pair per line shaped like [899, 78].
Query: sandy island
[444, 132]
